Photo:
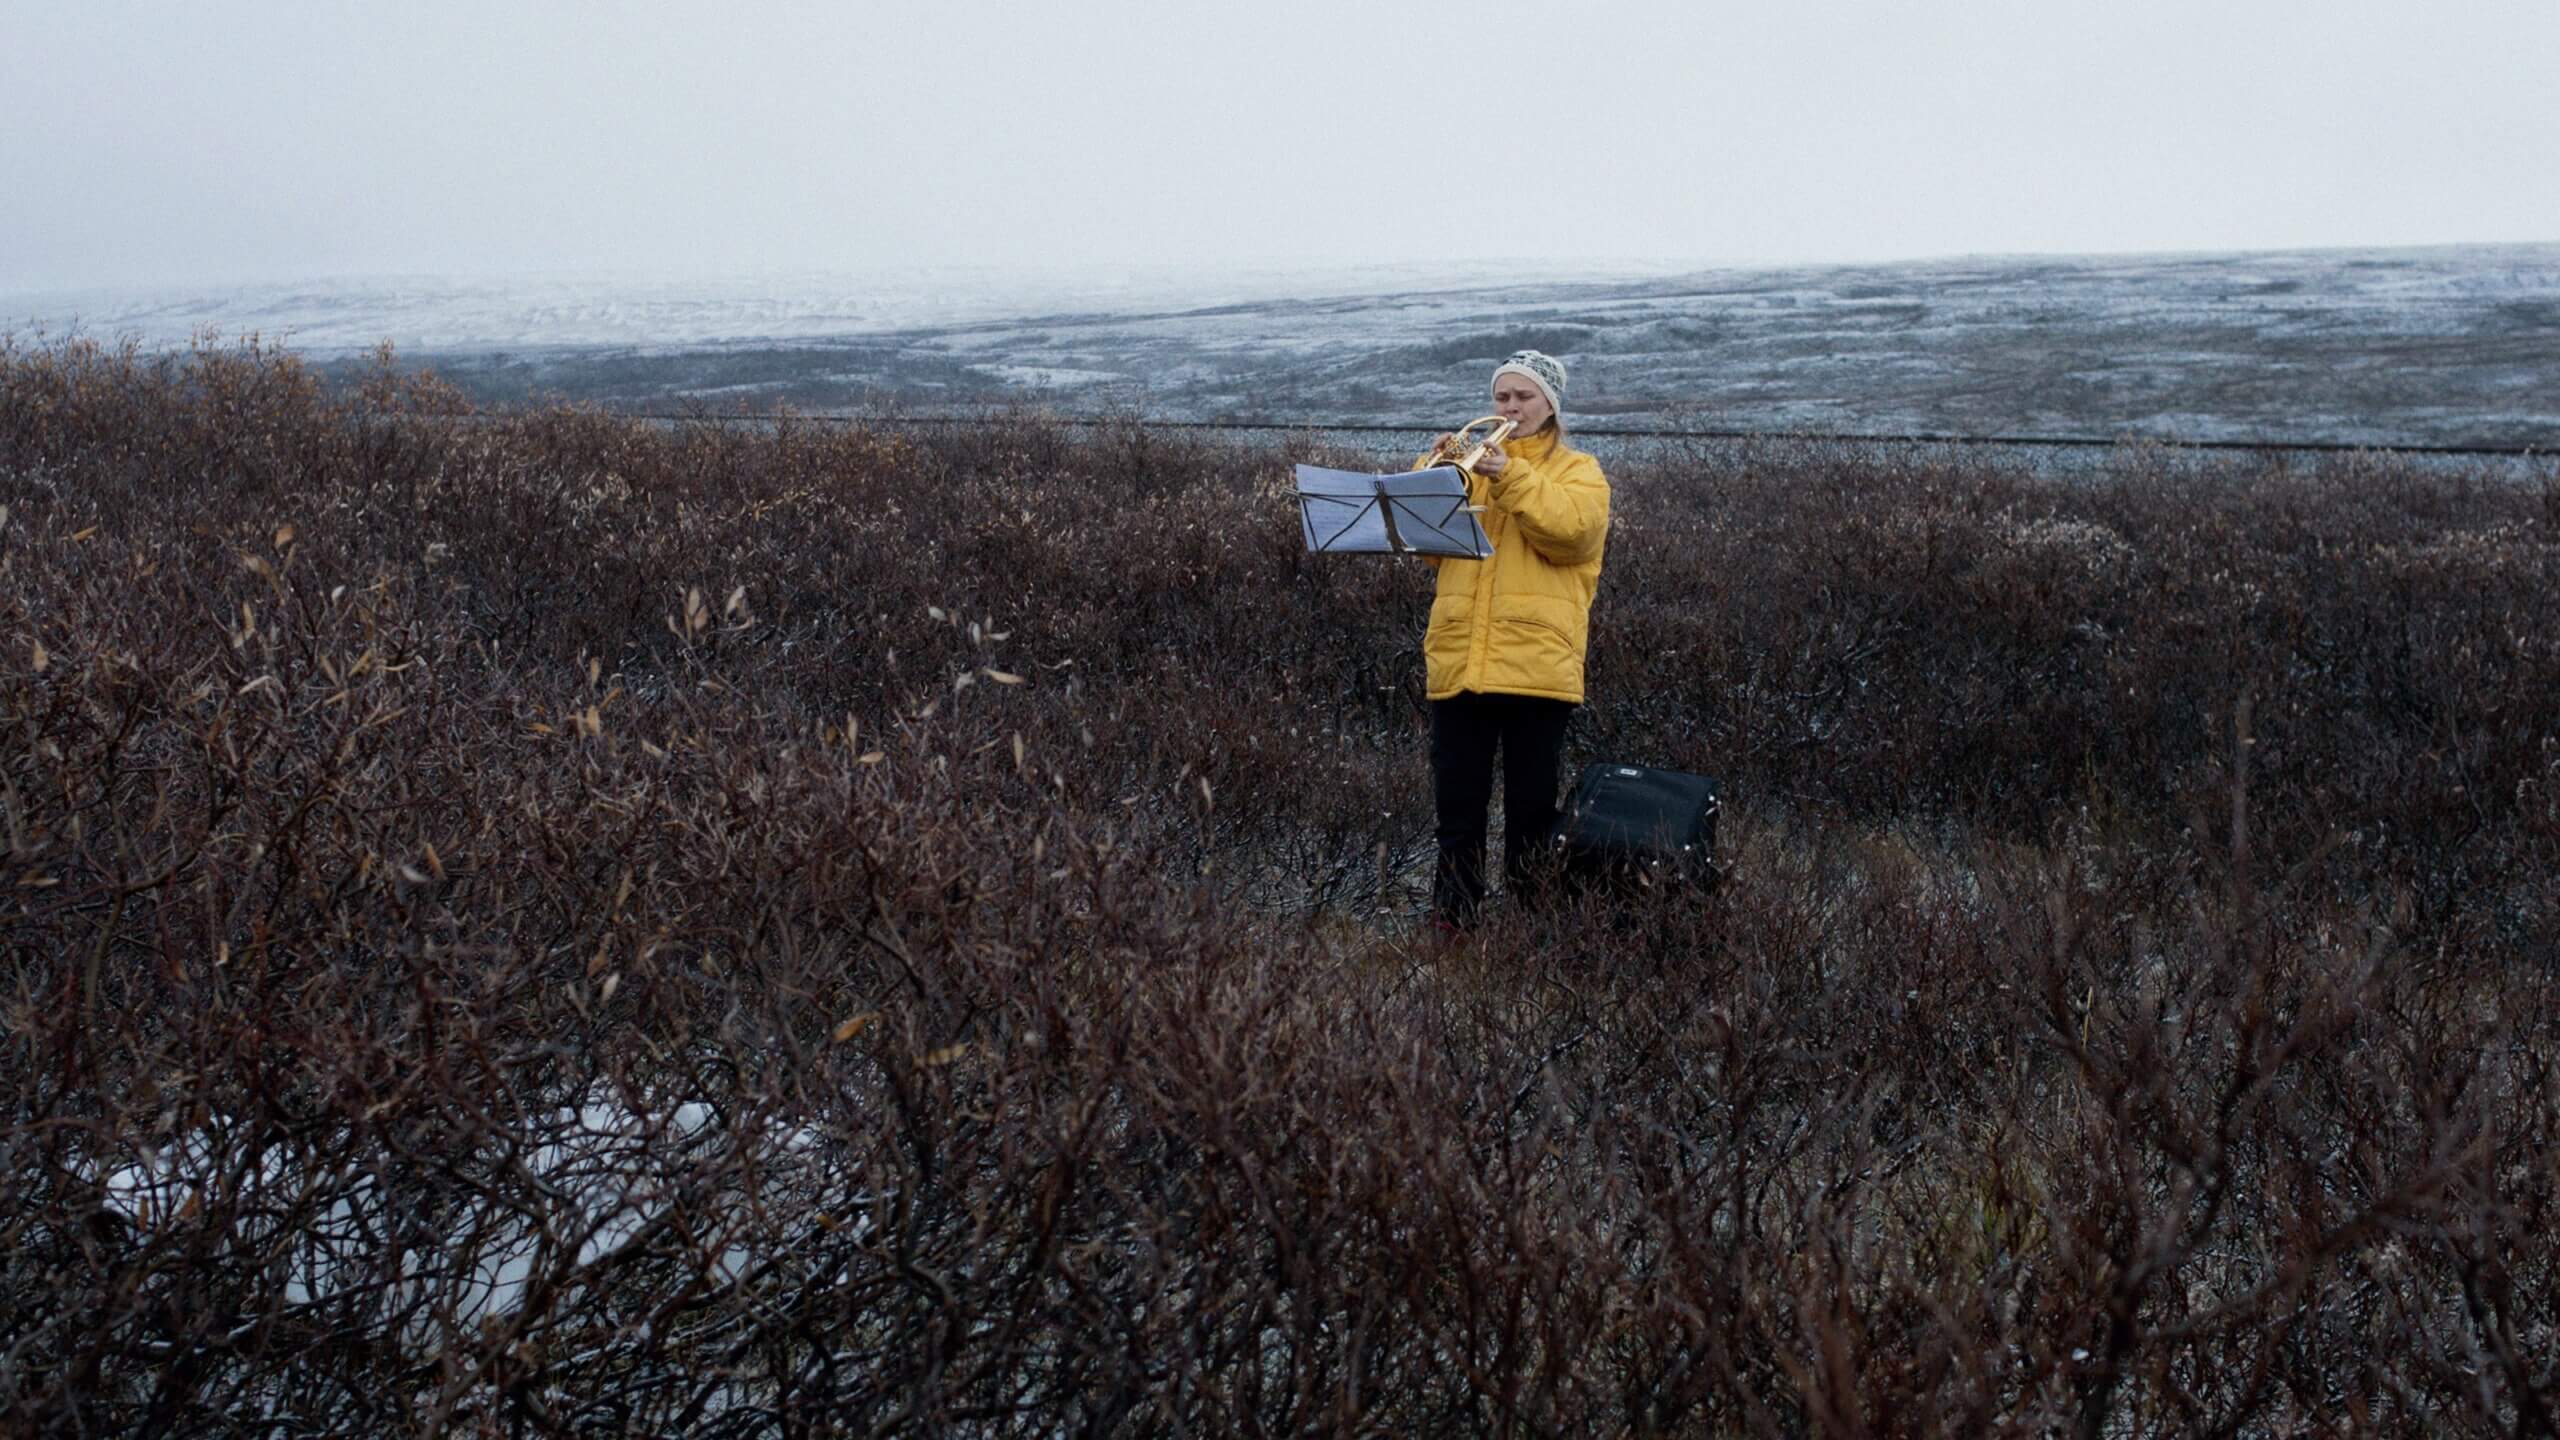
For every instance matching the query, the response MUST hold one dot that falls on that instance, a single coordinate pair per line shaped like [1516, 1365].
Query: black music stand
[1418, 512]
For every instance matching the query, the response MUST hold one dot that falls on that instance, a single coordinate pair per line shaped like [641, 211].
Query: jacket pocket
[1534, 654]
[1453, 621]
[1525, 614]
[1448, 638]
[1534, 645]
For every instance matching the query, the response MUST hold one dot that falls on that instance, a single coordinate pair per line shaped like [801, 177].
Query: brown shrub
[545, 923]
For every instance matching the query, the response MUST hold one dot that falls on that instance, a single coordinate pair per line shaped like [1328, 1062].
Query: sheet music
[1417, 512]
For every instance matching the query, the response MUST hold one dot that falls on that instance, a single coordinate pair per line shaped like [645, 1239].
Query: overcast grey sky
[245, 140]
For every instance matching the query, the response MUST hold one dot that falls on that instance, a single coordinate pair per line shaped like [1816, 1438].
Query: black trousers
[1466, 730]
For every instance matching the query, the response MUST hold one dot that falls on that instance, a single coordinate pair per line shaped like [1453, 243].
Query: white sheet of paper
[1416, 512]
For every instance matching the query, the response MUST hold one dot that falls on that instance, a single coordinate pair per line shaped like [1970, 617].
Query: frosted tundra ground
[2444, 345]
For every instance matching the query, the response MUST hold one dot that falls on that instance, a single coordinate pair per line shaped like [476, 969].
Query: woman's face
[1518, 401]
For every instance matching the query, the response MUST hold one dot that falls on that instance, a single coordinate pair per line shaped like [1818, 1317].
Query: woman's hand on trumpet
[1448, 449]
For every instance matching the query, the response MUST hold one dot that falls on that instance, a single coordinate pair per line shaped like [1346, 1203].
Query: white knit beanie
[1544, 371]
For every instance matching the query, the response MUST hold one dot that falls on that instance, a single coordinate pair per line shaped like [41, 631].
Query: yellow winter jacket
[1517, 624]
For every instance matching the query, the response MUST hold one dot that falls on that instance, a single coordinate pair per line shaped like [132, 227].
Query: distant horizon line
[1563, 270]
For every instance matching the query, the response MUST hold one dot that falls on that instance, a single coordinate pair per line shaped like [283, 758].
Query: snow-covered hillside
[2453, 344]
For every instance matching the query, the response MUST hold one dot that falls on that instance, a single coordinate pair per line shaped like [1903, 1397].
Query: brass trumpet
[1465, 448]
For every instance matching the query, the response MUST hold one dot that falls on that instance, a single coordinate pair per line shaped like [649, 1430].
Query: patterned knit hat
[1544, 371]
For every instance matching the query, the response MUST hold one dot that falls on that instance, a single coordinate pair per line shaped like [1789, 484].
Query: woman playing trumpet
[1504, 650]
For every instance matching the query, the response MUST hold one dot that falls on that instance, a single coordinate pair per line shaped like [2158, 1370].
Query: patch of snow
[439, 314]
[1046, 377]
[589, 1180]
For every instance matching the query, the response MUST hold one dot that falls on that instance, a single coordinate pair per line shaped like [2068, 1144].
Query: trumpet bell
[1466, 447]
